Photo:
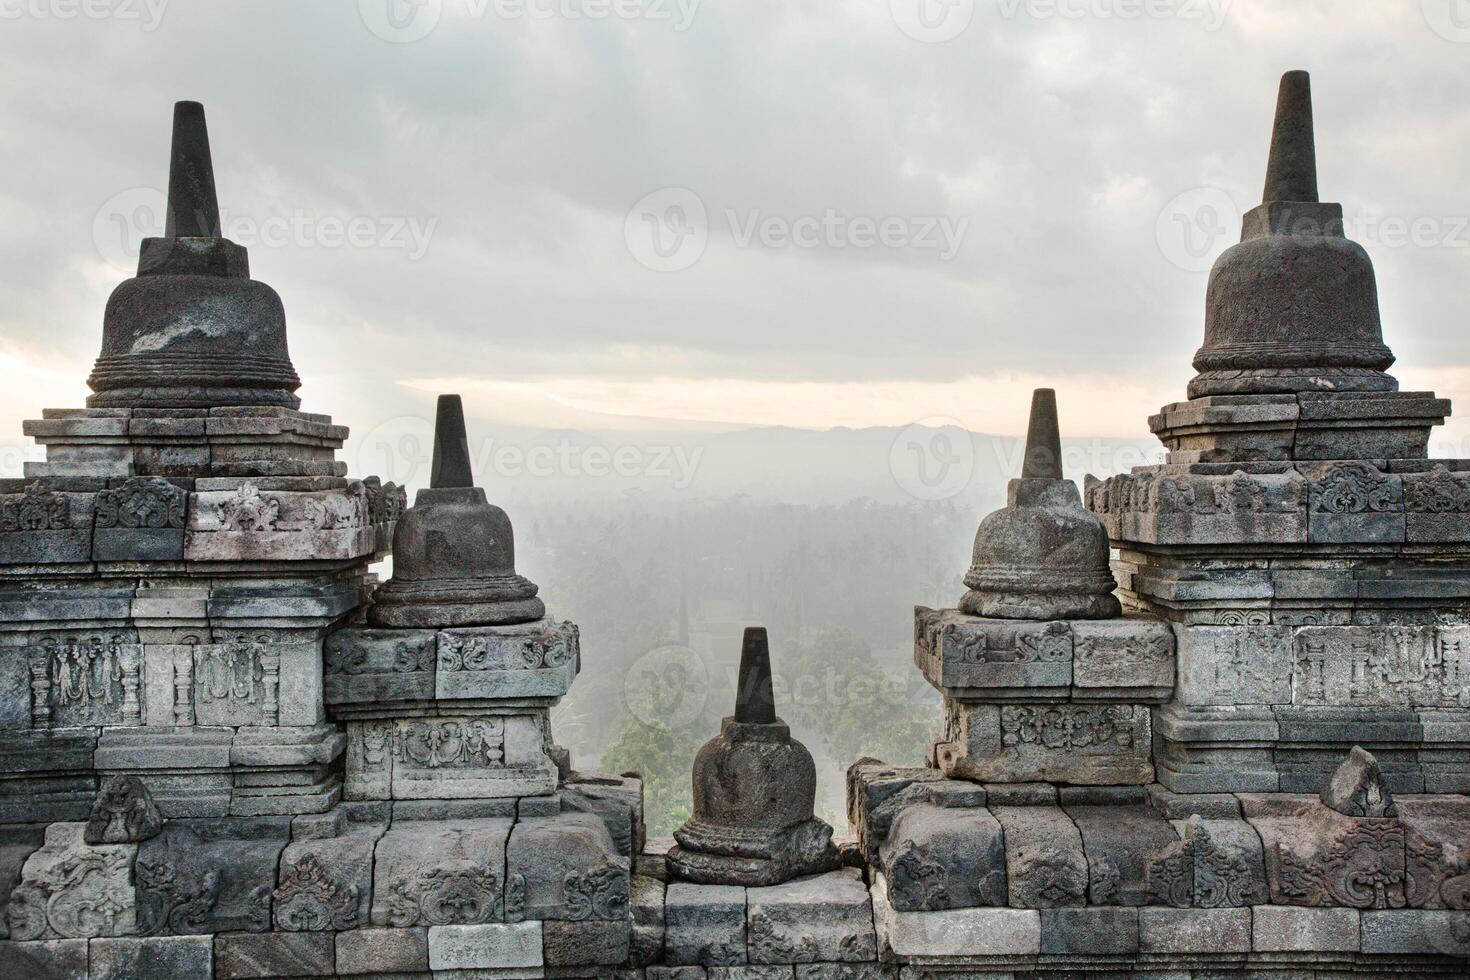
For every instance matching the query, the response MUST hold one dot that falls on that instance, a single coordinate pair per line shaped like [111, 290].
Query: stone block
[160, 956]
[70, 889]
[440, 873]
[141, 519]
[383, 951]
[17, 843]
[367, 666]
[274, 954]
[1288, 929]
[531, 660]
[1120, 842]
[1182, 806]
[646, 908]
[55, 959]
[846, 971]
[564, 867]
[1045, 865]
[491, 946]
[474, 756]
[973, 657]
[1385, 666]
[943, 858]
[1128, 659]
[1428, 932]
[1176, 931]
[1235, 665]
[704, 925]
[825, 917]
[44, 527]
[1354, 503]
[1020, 794]
[326, 884]
[616, 800]
[1216, 864]
[319, 826]
[877, 793]
[590, 942]
[453, 809]
[1102, 744]
[250, 524]
[954, 932]
[1099, 930]
[209, 875]
[752, 973]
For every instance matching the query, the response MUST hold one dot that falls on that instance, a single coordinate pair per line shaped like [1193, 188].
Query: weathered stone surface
[1416, 931]
[1235, 665]
[954, 932]
[588, 942]
[1044, 861]
[159, 956]
[564, 867]
[1089, 931]
[845, 971]
[440, 873]
[1356, 788]
[704, 925]
[209, 875]
[140, 520]
[491, 946]
[73, 890]
[363, 666]
[1166, 930]
[751, 973]
[369, 950]
[17, 843]
[1103, 744]
[943, 858]
[326, 884]
[460, 756]
[1284, 929]
[1154, 506]
[1216, 864]
[616, 800]
[274, 954]
[123, 814]
[1128, 659]
[973, 657]
[822, 918]
[54, 959]
[877, 793]
[646, 908]
[530, 660]
[1120, 842]
[250, 524]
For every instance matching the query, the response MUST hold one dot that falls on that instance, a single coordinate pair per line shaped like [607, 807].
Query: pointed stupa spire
[1291, 173]
[1043, 438]
[193, 207]
[754, 702]
[451, 462]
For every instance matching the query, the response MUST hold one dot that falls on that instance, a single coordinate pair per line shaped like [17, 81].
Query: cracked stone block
[618, 800]
[1045, 864]
[379, 951]
[435, 873]
[826, 917]
[159, 956]
[1287, 929]
[646, 906]
[1430, 932]
[877, 793]
[591, 942]
[61, 959]
[704, 925]
[70, 889]
[942, 858]
[564, 867]
[1090, 931]
[490, 946]
[1120, 842]
[1166, 930]
[954, 932]
[209, 875]
[239, 956]
[1088, 744]
[1215, 864]
[1127, 659]
[326, 883]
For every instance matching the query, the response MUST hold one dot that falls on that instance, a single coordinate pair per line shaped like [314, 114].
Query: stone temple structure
[1206, 719]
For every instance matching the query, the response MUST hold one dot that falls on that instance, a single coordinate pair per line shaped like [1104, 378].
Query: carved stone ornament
[309, 899]
[123, 814]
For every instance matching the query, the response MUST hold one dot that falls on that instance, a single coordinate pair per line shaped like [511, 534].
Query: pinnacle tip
[755, 704]
[1043, 438]
[1291, 172]
[450, 466]
[193, 207]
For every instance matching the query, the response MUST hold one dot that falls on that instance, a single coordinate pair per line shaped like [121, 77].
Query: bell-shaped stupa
[1042, 556]
[755, 792]
[453, 551]
[192, 329]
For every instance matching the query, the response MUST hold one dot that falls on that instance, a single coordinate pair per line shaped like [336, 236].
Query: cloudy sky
[644, 214]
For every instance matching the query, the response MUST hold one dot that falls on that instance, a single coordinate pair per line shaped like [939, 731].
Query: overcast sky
[645, 213]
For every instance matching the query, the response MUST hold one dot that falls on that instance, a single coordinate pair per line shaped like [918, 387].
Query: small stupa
[755, 793]
[1042, 556]
[454, 551]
